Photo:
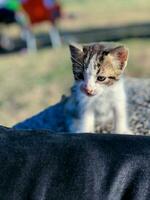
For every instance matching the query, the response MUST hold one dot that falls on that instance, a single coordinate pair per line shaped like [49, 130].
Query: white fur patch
[90, 74]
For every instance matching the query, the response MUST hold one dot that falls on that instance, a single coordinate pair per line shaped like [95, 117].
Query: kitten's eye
[101, 78]
[80, 76]
[112, 77]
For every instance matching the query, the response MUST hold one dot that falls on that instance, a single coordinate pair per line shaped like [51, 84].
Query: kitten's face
[98, 66]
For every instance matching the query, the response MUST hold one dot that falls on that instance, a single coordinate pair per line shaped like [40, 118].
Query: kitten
[98, 87]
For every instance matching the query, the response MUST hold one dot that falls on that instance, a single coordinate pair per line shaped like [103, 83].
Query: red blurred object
[38, 12]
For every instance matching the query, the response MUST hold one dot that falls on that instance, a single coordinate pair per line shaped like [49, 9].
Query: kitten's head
[98, 65]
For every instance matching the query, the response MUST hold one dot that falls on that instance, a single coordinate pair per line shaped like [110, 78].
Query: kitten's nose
[88, 90]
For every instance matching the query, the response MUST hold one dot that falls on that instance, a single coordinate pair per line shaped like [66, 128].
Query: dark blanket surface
[38, 165]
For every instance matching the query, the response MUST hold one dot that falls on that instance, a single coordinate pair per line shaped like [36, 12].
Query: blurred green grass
[31, 82]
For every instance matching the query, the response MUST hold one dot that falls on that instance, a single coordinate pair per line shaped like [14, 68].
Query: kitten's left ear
[76, 52]
[121, 55]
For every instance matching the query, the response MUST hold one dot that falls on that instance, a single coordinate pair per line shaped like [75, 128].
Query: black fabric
[7, 16]
[42, 166]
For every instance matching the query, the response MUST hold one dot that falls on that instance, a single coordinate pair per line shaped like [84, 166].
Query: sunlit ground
[31, 82]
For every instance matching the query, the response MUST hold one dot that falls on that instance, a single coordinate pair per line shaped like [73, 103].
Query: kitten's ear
[77, 57]
[76, 53]
[121, 55]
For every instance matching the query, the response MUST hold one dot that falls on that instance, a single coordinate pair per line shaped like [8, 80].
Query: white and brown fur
[98, 87]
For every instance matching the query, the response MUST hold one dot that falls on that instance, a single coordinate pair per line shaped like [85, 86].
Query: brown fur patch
[110, 67]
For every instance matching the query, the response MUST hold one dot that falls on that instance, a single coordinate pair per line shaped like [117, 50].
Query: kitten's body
[107, 100]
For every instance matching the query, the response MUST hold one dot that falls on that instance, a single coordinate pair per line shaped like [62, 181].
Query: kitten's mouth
[89, 94]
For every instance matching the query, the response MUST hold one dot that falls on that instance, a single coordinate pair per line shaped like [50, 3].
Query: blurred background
[35, 66]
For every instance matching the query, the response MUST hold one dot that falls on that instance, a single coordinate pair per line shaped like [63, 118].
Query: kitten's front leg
[121, 124]
[84, 123]
[121, 118]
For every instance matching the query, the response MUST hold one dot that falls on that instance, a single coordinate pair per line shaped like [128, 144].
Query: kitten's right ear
[76, 53]
[120, 53]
